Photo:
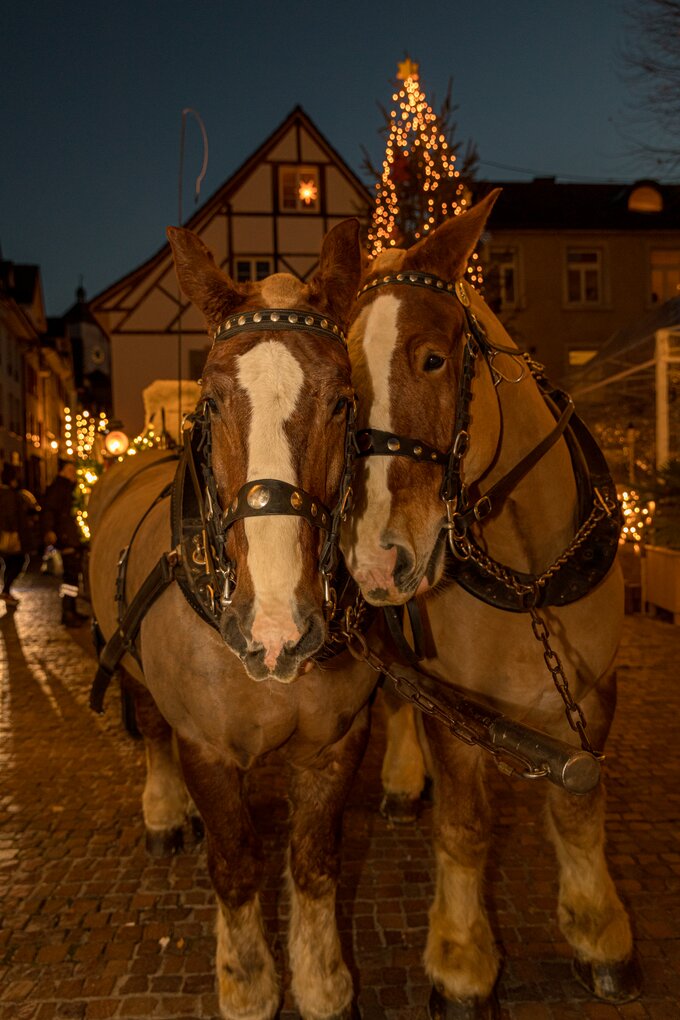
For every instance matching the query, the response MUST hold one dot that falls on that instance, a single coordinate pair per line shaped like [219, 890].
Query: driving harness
[591, 552]
[198, 560]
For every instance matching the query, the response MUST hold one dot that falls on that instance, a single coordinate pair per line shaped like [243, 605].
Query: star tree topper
[407, 69]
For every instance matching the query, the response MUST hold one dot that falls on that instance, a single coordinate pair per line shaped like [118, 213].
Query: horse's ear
[199, 278]
[447, 249]
[335, 285]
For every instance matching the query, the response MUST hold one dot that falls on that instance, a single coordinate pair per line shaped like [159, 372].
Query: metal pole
[661, 357]
[204, 166]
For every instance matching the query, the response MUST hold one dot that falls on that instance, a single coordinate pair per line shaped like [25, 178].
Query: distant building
[36, 378]
[270, 216]
[569, 265]
[90, 350]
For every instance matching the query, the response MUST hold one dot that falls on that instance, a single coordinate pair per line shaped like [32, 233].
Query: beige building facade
[570, 265]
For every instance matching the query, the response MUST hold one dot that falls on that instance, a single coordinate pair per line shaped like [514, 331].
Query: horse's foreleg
[165, 801]
[321, 982]
[590, 913]
[247, 983]
[403, 769]
[460, 957]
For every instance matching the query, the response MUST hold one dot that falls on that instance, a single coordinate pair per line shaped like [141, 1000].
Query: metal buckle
[482, 508]
[461, 443]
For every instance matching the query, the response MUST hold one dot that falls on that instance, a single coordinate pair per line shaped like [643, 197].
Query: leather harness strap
[501, 489]
[162, 575]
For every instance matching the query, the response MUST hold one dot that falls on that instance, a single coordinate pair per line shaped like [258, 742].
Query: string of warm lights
[637, 516]
[415, 141]
[83, 433]
[87, 440]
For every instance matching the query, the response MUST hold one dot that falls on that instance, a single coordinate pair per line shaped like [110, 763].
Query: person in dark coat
[60, 529]
[18, 513]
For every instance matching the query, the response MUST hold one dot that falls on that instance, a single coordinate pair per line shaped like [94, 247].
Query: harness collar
[278, 319]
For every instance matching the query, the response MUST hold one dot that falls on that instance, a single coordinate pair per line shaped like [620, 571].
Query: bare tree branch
[651, 66]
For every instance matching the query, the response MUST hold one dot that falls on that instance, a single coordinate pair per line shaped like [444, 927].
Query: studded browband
[415, 279]
[276, 319]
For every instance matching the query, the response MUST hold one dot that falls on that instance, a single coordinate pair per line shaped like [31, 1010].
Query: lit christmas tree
[419, 186]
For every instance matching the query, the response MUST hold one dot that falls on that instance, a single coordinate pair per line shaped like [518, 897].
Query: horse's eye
[340, 406]
[433, 362]
[211, 405]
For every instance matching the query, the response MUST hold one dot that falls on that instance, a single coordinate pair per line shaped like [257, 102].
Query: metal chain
[572, 709]
[457, 724]
[465, 548]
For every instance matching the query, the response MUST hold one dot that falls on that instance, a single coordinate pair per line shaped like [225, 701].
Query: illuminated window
[252, 269]
[645, 199]
[197, 361]
[664, 273]
[504, 271]
[299, 189]
[579, 356]
[584, 277]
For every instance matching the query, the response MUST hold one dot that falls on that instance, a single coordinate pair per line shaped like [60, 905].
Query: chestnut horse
[275, 413]
[462, 444]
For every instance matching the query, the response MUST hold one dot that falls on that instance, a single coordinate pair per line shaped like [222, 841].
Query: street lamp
[116, 441]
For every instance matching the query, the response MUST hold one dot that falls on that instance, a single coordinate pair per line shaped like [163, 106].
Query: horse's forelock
[283, 291]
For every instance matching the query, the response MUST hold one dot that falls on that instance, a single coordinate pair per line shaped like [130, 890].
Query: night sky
[92, 96]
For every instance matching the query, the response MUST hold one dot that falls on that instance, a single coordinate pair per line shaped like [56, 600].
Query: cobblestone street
[94, 928]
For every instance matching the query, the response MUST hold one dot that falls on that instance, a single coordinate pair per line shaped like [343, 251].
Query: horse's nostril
[403, 567]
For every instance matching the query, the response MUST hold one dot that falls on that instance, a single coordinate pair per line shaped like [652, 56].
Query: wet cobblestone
[93, 928]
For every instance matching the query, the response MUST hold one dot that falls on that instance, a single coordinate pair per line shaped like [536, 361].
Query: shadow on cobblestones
[93, 928]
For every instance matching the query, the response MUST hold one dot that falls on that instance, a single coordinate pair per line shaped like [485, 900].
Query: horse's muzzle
[287, 666]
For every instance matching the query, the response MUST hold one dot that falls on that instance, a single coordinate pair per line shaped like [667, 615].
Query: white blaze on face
[371, 564]
[272, 378]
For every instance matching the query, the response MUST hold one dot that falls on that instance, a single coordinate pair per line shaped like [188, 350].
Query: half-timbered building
[270, 216]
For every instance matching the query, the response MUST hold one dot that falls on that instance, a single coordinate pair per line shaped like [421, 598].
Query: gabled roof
[545, 204]
[297, 117]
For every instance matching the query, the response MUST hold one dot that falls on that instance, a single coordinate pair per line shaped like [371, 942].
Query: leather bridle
[264, 496]
[460, 511]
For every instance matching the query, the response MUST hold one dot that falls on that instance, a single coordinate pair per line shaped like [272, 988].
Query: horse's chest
[248, 724]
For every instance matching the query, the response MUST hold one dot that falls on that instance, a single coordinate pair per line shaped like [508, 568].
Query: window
[197, 361]
[579, 356]
[252, 269]
[584, 277]
[645, 199]
[665, 273]
[299, 189]
[504, 270]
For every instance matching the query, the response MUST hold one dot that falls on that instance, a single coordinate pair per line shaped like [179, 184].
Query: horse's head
[276, 399]
[407, 345]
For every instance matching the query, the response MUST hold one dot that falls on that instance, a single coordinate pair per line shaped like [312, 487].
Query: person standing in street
[18, 513]
[60, 529]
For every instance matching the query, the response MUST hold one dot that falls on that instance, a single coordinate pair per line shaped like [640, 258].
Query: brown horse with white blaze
[469, 498]
[275, 411]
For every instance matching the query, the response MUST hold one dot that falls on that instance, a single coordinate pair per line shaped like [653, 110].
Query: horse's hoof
[399, 808]
[620, 981]
[197, 828]
[164, 842]
[351, 1013]
[439, 1008]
